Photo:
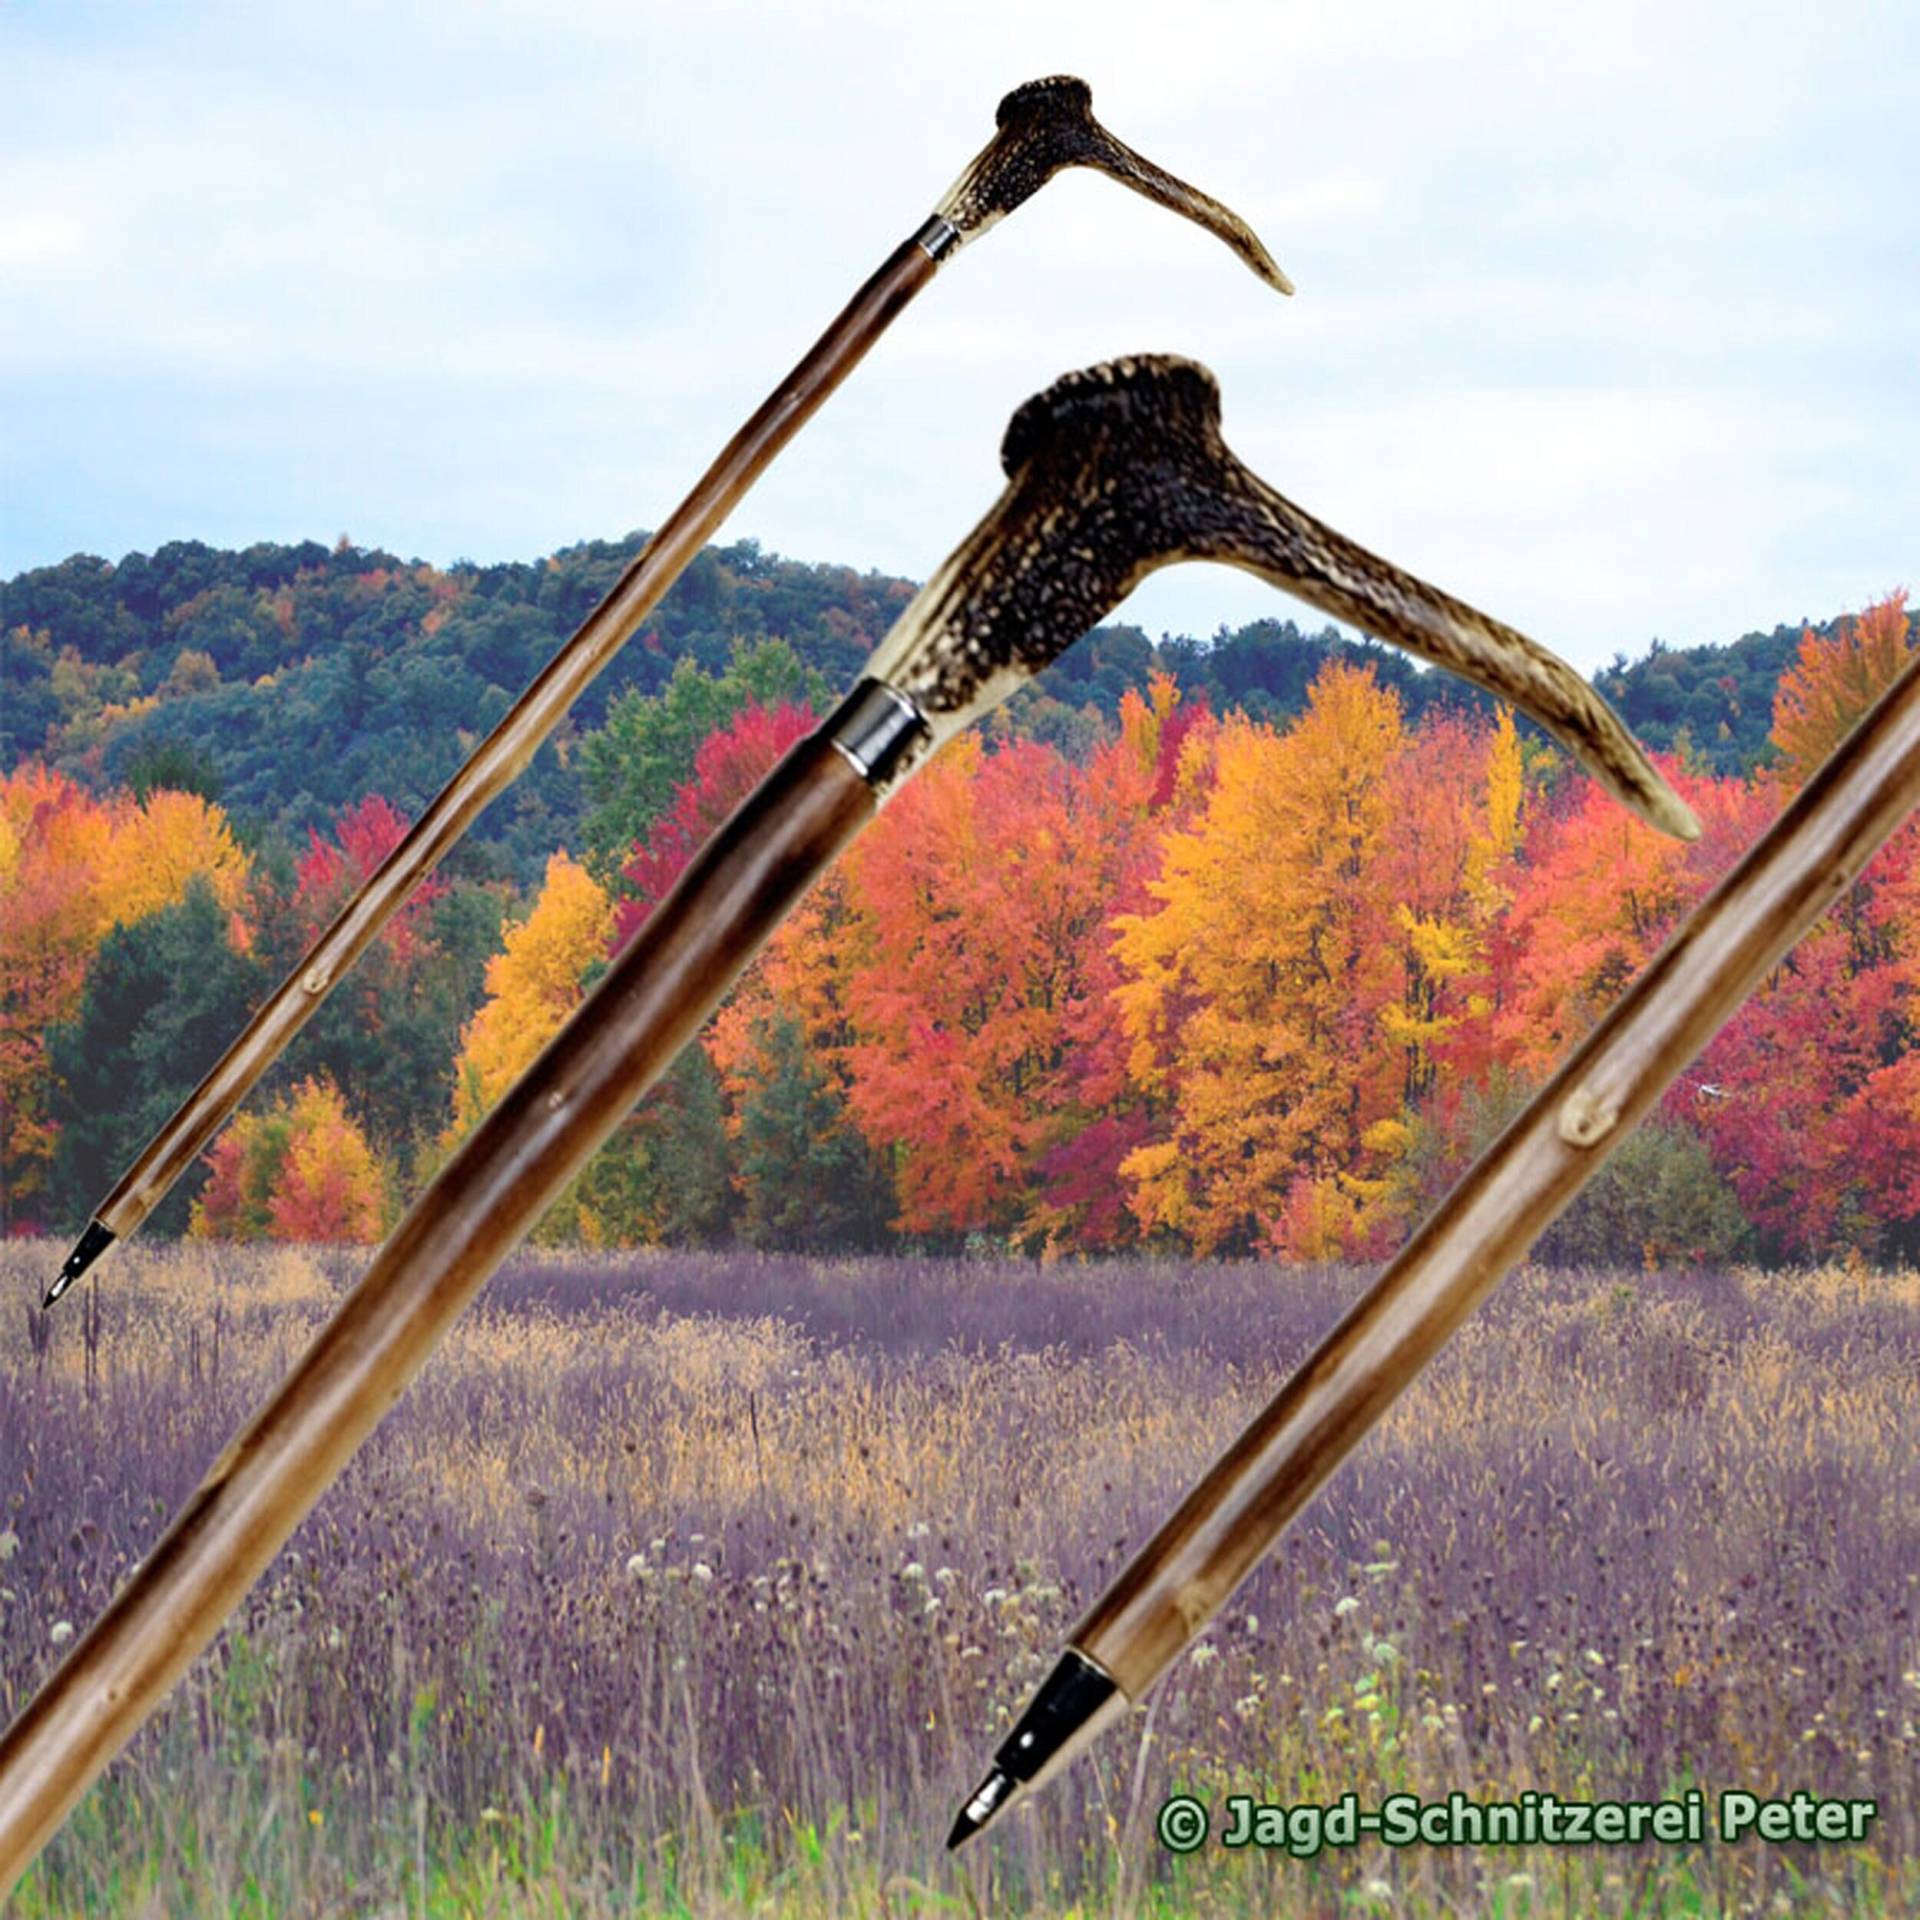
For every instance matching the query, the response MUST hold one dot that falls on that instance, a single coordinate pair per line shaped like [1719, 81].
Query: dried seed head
[1049, 124]
[1121, 469]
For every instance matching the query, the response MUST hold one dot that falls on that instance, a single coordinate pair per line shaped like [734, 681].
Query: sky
[1608, 318]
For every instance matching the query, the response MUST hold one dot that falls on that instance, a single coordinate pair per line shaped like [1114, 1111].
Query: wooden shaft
[1796, 871]
[738, 889]
[499, 759]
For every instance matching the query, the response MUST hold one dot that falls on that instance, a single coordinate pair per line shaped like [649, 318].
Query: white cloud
[1604, 315]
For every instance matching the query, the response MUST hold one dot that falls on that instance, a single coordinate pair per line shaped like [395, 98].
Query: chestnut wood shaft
[499, 759]
[1792, 875]
[736, 892]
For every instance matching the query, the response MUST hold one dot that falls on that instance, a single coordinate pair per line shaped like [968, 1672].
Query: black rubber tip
[86, 1250]
[989, 1799]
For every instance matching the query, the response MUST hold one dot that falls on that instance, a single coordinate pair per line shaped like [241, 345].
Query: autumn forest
[1225, 947]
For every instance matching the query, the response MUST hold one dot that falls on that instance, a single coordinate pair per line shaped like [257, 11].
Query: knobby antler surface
[1042, 127]
[1049, 124]
[1135, 445]
[1111, 473]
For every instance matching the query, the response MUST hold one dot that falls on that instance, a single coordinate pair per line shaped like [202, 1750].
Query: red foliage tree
[331, 870]
[730, 763]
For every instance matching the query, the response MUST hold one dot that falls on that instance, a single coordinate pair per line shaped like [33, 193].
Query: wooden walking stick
[1041, 128]
[1182, 1577]
[1112, 473]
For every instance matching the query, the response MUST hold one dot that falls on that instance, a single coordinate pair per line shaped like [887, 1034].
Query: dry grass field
[702, 1585]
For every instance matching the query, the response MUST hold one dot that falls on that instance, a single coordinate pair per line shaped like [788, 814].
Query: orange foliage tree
[72, 868]
[300, 1170]
[1834, 679]
[976, 896]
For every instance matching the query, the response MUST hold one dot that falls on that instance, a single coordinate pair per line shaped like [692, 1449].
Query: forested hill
[289, 681]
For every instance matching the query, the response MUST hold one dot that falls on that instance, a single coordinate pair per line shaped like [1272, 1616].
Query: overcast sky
[1608, 317]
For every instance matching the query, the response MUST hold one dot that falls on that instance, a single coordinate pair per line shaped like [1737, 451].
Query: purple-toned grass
[715, 1579]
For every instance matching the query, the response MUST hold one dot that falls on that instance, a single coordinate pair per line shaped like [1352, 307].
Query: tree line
[1202, 974]
[289, 681]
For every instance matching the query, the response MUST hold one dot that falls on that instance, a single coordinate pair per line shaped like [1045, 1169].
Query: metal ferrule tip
[87, 1249]
[1076, 1703]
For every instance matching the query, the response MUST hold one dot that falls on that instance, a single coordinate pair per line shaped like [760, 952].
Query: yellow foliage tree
[532, 986]
[155, 849]
[1253, 995]
[1499, 841]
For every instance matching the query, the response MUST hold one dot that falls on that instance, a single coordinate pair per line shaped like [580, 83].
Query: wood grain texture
[1793, 874]
[498, 760]
[738, 889]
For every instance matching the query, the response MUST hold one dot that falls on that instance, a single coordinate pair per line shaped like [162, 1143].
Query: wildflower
[1377, 1890]
[1553, 1681]
[1386, 1650]
[919, 1530]
[1247, 1705]
[60, 1632]
[993, 1597]
[636, 1566]
[1204, 1652]
[315, 1818]
[1345, 1605]
[945, 1575]
[9, 1545]
[1595, 1658]
[913, 1570]
[1251, 1623]
[1535, 1724]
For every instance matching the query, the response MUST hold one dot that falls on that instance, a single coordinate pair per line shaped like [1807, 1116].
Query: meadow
[704, 1584]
